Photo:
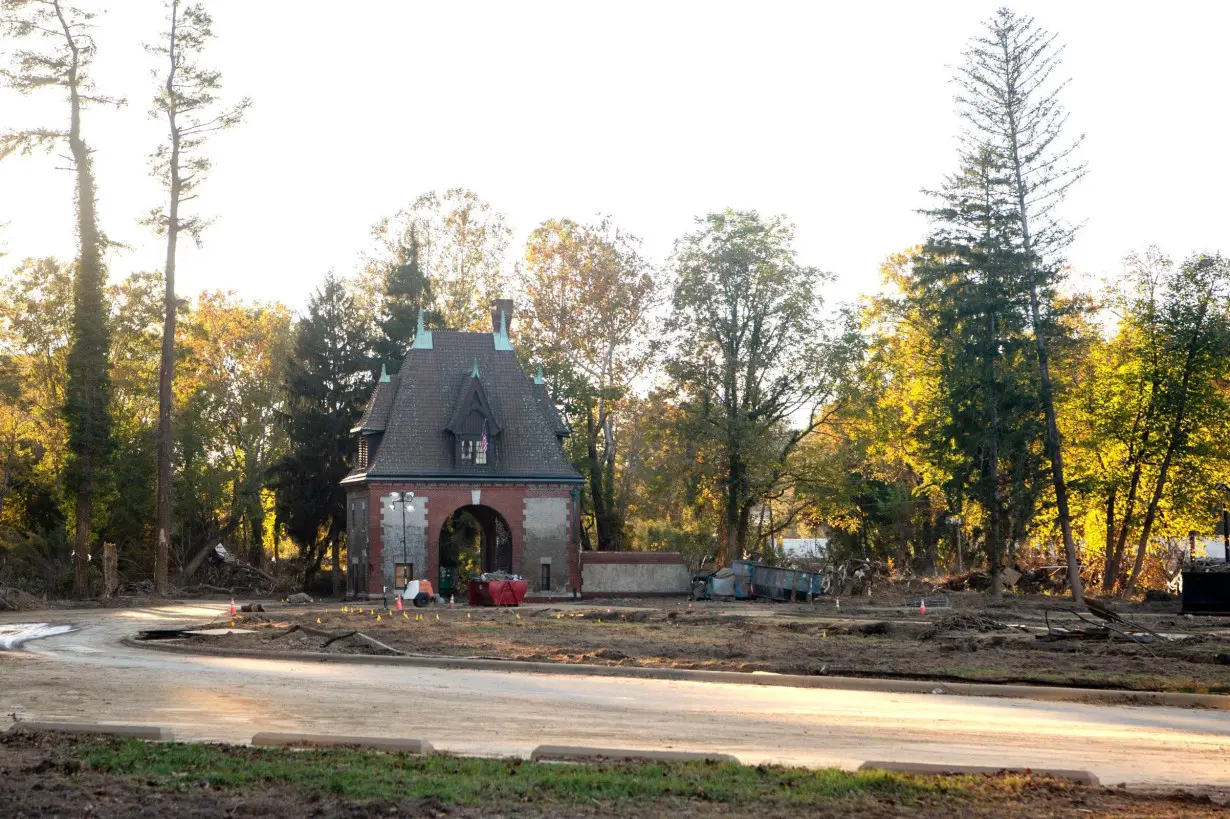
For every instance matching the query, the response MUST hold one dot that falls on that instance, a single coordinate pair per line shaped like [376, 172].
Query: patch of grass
[364, 774]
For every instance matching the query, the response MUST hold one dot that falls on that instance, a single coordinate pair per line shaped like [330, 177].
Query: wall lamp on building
[407, 503]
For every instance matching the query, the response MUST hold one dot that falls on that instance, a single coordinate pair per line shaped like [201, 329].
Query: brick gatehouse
[480, 445]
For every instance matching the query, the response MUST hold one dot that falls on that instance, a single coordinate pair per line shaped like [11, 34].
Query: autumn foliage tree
[589, 296]
[754, 366]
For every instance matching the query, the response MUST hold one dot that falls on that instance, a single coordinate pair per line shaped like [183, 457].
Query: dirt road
[87, 674]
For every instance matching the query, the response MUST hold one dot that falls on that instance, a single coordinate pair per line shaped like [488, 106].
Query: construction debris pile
[1204, 564]
[1105, 624]
[224, 573]
[856, 577]
[14, 599]
[962, 621]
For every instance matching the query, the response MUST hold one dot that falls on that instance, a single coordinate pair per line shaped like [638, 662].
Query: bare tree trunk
[1108, 570]
[335, 571]
[1110, 577]
[111, 578]
[165, 374]
[597, 494]
[995, 555]
[734, 497]
[166, 369]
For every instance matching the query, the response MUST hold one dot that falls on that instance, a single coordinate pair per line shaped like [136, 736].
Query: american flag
[482, 442]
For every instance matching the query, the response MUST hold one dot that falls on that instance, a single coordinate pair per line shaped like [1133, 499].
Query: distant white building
[1213, 548]
[813, 548]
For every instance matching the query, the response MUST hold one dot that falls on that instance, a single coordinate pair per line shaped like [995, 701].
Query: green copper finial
[500, 337]
[384, 373]
[422, 336]
[475, 374]
[538, 377]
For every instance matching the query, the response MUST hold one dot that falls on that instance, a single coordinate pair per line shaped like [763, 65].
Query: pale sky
[835, 114]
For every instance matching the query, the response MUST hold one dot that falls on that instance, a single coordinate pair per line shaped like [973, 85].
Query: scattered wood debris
[962, 621]
[331, 638]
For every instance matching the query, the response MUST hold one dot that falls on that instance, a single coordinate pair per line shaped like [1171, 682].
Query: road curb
[579, 753]
[1032, 692]
[152, 733]
[410, 746]
[1082, 777]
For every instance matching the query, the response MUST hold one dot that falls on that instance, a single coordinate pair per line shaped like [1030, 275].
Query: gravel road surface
[86, 674]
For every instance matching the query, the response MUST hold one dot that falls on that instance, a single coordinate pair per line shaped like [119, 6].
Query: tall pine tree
[1010, 101]
[968, 289]
[327, 383]
[406, 291]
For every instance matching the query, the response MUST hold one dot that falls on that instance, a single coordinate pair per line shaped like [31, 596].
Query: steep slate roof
[376, 417]
[422, 401]
[548, 409]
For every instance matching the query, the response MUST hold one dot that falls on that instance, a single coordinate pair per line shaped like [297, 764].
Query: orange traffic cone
[922, 606]
[232, 606]
[450, 600]
[399, 602]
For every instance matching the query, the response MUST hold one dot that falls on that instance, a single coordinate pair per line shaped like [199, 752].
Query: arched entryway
[473, 540]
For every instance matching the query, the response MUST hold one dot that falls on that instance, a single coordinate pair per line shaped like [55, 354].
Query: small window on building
[403, 573]
[473, 451]
[544, 583]
[362, 460]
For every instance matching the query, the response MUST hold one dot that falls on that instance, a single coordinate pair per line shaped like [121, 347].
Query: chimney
[504, 306]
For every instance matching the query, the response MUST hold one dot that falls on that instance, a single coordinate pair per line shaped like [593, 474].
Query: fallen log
[199, 586]
[343, 636]
[314, 632]
[377, 643]
[330, 639]
[1075, 634]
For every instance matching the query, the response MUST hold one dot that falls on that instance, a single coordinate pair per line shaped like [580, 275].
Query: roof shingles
[419, 402]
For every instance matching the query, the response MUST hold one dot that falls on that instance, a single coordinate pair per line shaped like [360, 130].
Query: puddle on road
[14, 634]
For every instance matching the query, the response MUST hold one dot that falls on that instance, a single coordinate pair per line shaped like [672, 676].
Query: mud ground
[43, 775]
[961, 637]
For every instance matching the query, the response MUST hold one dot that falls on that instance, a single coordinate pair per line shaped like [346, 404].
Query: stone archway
[474, 539]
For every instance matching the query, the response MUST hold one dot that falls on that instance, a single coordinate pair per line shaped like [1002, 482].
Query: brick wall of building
[539, 519]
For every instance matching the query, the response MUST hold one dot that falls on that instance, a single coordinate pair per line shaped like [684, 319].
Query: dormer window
[474, 424]
[473, 450]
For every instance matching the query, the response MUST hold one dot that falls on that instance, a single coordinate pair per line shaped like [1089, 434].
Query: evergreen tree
[968, 290]
[406, 292]
[327, 382]
[1010, 102]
